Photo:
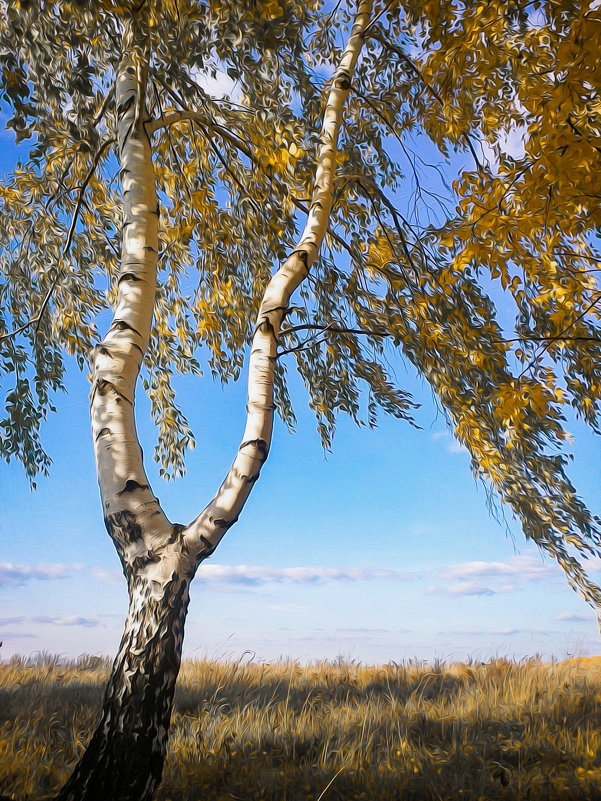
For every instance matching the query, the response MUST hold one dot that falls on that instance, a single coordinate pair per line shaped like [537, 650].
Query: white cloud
[519, 569]
[11, 574]
[566, 616]
[245, 574]
[69, 620]
[108, 576]
[451, 444]
[492, 578]
[466, 588]
[217, 83]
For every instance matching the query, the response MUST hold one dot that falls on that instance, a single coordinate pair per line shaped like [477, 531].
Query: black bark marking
[103, 386]
[267, 325]
[124, 760]
[176, 532]
[343, 82]
[121, 325]
[145, 559]
[260, 444]
[302, 255]
[123, 529]
[209, 547]
[125, 105]
[102, 433]
[128, 277]
[131, 485]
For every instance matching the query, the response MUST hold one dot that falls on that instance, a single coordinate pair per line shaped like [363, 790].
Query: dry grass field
[337, 732]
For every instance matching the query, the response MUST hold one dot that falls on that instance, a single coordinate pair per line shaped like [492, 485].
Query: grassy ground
[344, 732]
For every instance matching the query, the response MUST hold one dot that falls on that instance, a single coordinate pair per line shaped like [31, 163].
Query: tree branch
[204, 534]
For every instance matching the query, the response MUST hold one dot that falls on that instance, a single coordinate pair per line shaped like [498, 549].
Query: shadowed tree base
[124, 760]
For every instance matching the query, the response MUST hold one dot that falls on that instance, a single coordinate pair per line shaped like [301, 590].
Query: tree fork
[124, 759]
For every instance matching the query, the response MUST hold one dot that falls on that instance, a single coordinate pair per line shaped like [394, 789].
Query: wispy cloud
[9, 621]
[69, 620]
[462, 588]
[108, 576]
[566, 616]
[245, 574]
[519, 569]
[491, 578]
[214, 573]
[484, 632]
[11, 574]
[451, 444]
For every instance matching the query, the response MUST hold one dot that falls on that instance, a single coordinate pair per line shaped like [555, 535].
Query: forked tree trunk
[124, 760]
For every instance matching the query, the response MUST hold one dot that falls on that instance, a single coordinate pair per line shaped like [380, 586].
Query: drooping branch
[37, 318]
[380, 36]
[311, 342]
[205, 533]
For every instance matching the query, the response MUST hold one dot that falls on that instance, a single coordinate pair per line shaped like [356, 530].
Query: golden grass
[337, 732]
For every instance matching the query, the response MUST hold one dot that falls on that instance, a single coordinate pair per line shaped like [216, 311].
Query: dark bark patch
[260, 444]
[129, 277]
[123, 529]
[176, 532]
[131, 485]
[125, 105]
[343, 82]
[209, 547]
[302, 255]
[145, 559]
[121, 325]
[102, 433]
[103, 386]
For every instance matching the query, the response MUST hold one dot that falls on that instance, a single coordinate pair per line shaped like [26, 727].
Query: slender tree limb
[334, 328]
[549, 340]
[325, 329]
[204, 534]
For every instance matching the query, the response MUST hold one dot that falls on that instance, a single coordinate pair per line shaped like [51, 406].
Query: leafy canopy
[468, 192]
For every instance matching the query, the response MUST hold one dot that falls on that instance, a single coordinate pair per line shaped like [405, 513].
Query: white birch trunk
[124, 759]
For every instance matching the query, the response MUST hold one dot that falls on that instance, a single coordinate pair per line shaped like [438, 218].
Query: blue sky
[383, 550]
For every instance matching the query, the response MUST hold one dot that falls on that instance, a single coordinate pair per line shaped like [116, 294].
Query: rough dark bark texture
[124, 760]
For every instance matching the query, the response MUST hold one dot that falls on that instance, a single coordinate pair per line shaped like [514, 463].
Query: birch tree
[269, 224]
